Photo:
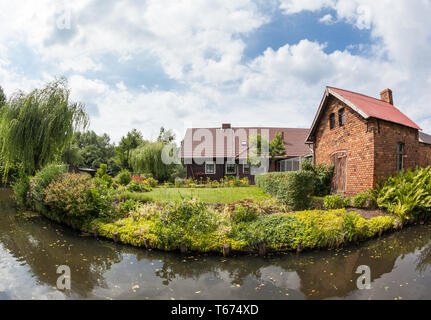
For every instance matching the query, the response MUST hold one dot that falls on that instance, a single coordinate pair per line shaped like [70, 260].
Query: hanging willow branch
[36, 128]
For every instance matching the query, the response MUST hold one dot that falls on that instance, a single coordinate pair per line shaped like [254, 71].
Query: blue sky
[182, 63]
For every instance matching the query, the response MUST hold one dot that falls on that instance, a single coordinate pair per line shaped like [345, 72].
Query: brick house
[366, 139]
[218, 152]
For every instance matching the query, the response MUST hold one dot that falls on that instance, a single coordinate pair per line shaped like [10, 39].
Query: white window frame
[211, 163]
[230, 173]
[244, 166]
[287, 165]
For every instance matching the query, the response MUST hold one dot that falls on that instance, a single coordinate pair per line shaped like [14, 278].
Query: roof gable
[366, 106]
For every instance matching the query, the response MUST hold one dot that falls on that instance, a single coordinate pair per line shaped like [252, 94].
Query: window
[244, 143]
[293, 164]
[332, 121]
[210, 168]
[246, 169]
[341, 117]
[400, 156]
[230, 168]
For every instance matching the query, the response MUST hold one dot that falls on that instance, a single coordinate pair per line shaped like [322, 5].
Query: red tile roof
[375, 108]
[366, 106]
[206, 148]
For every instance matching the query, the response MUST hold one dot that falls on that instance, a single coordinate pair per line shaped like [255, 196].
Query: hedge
[294, 189]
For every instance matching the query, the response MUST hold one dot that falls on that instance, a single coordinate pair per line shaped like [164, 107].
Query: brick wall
[370, 145]
[387, 136]
[355, 137]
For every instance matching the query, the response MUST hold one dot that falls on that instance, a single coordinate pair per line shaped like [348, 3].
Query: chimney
[226, 126]
[386, 95]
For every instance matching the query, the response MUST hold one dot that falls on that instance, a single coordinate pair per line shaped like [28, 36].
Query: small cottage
[366, 139]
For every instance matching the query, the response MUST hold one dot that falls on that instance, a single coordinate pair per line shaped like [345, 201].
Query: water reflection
[32, 248]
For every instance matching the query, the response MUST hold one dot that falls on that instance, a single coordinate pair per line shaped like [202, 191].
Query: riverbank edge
[95, 229]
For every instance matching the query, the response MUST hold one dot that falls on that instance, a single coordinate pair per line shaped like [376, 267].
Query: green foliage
[103, 177]
[78, 196]
[310, 229]
[322, 177]
[21, 191]
[407, 194]
[124, 177]
[127, 206]
[90, 150]
[131, 141]
[3, 98]
[136, 186]
[336, 202]
[362, 200]
[42, 180]
[276, 147]
[294, 189]
[36, 128]
[166, 136]
[244, 213]
[148, 159]
[186, 222]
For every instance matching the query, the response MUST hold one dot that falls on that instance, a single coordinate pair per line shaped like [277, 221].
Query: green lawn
[208, 195]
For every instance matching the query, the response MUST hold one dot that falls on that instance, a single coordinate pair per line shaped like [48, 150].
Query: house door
[339, 161]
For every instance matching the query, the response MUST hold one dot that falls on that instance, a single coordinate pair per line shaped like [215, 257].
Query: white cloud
[199, 45]
[296, 6]
[327, 19]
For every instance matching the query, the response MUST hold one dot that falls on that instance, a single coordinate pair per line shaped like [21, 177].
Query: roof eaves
[350, 104]
[329, 91]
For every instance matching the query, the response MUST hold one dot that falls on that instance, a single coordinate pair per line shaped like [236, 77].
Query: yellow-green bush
[407, 194]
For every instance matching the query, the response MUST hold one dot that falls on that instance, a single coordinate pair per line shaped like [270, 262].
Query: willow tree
[36, 128]
[148, 159]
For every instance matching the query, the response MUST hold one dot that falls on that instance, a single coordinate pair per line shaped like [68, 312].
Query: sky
[199, 63]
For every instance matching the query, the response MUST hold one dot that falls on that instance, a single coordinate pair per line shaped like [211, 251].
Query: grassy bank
[207, 195]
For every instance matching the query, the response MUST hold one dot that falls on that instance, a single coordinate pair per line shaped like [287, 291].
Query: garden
[285, 211]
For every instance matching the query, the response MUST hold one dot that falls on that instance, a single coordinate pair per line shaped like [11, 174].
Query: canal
[32, 248]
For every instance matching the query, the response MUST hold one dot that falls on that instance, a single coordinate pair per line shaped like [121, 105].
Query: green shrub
[41, 181]
[407, 194]
[127, 206]
[136, 186]
[21, 191]
[78, 196]
[318, 203]
[243, 214]
[362, 200]
[294, 189]
[270, 182]
[103, 177]
[336, 202]
[188, 222]
[322, 177]
[151, 182]
[124, 177]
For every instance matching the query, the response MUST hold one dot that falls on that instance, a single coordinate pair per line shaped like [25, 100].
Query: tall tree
[276, 147]
[36, 128]
[2, 97]
[89, 150]
[148, 159]
[166, 136]
[131, 141]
